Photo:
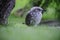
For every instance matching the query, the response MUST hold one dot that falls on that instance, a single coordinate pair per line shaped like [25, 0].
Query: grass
[20, 4]
[15, 30]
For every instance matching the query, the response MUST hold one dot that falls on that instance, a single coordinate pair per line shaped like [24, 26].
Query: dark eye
[39, 9]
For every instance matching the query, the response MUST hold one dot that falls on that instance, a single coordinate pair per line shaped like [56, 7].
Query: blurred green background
[15, 30]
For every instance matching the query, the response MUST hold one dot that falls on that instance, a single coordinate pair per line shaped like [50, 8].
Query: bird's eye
[39, 9]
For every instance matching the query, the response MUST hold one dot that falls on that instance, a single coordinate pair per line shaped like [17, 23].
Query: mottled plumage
[34, 16]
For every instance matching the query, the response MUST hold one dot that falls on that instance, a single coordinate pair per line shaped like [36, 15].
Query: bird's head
[38, 9]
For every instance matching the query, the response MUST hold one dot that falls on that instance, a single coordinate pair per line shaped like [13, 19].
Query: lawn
[16, 30]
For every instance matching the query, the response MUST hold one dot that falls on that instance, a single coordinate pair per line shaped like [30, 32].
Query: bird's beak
[43, 11]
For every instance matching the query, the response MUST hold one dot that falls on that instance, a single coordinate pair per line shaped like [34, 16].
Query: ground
[15, 30]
